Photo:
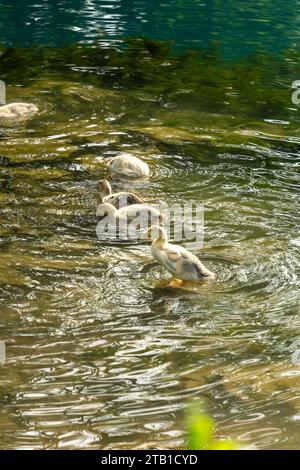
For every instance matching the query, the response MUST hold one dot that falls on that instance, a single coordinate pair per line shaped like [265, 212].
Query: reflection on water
[240, 26]
[100, 353]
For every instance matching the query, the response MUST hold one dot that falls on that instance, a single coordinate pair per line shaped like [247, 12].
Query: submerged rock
[18, 110]
[170, 135]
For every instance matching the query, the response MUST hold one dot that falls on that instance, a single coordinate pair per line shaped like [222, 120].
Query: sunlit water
[100, 352]
[238, 26]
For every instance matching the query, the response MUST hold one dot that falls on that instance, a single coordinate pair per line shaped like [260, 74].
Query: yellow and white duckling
[118, 200]
[128, 165]
[181, 263]
[18, 110]
[128, 213]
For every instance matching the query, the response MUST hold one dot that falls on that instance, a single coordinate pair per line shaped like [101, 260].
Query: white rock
[18, 110]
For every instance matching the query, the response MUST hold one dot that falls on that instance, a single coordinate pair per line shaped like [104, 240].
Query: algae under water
[99, 354]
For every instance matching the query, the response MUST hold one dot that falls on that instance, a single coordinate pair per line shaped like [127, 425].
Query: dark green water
[100, 353]
[239, 26]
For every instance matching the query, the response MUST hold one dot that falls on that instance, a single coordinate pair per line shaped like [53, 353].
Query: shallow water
[100, 352]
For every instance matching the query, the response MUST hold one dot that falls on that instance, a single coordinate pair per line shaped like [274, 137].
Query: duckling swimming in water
[129, 165]
[118, 200]
[181, 263]
[126, 222]
[129, 212]
[18, 110]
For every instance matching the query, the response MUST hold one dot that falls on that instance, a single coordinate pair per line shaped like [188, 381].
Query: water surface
[238, 26]
[100, 353]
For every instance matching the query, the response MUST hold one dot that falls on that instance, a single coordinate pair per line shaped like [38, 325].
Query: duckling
[129, 165]
[116, 199]
[181, 263]
[17, 110]
[129, 213]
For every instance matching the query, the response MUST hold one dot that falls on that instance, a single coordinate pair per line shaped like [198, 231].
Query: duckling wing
[173, 255]
[136, 199]
[133, 199]
[119, 200]
[170, 257]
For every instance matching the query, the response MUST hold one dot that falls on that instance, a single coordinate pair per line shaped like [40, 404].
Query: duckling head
[104, 188]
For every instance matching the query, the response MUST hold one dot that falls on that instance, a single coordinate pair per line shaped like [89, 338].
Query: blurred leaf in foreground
[201, 430]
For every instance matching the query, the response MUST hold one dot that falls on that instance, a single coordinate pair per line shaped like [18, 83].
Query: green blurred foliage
[201, 431]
